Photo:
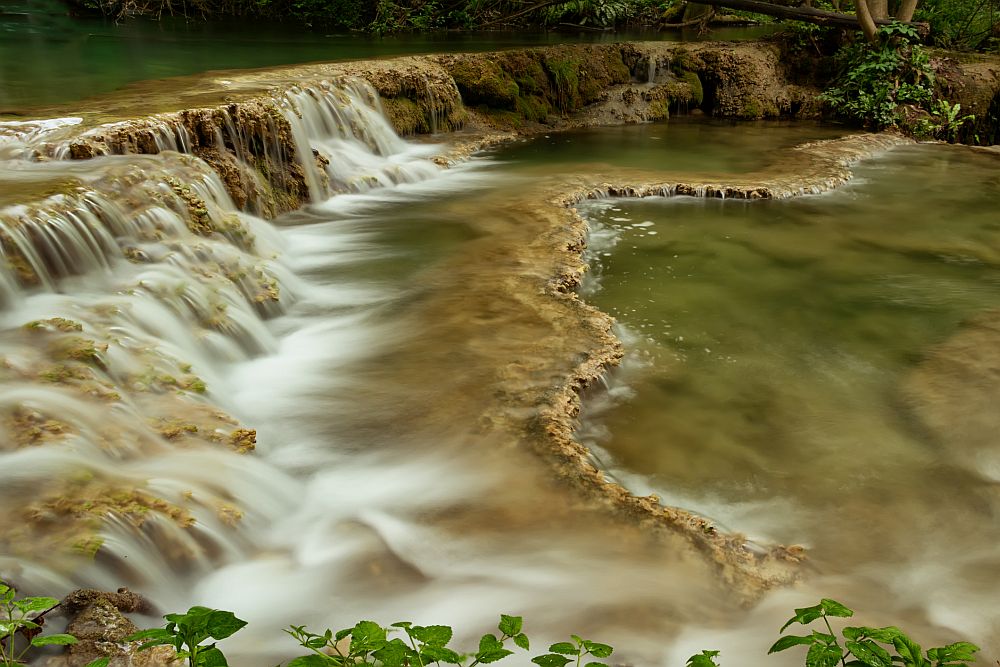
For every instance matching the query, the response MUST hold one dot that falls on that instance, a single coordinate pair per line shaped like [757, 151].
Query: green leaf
[155, 642]
[393, 654]
[53, 640]
[805, 615]
[565, 648]
[821, 655]
[870, 653]
[401, 624]
[28, 605]
[343, 633]
[884, 635]
[788, 642]
[823, 638]
[7, 627]
[597, 650]
[489, 642]
[834, 608]
[957, 652]
[492, 655]
[432, 635]
[703, 659]
[441, 654]
[213, 657]
[100, 662]
[222, 624]
[312, 660]
[551, 660]
[510, 625]
[367, 636]
[152, 633]
[909, 651]
[521, 641]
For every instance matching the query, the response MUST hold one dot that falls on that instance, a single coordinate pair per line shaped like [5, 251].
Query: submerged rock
[954, 393]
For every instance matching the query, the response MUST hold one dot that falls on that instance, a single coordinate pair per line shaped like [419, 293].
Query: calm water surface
[783, 377]
[47, 57]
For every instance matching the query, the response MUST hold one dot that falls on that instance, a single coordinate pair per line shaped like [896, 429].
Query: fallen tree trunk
[808, 14]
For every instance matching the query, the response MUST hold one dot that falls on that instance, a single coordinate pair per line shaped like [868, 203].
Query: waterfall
[139, 305]
[345, 144]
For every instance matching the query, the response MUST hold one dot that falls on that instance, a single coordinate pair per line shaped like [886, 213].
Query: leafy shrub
[863, 645]
[876, 80]
[368, 643]
[187, 633]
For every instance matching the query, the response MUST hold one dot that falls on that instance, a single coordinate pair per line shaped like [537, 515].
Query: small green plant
[21, 623]
[864, 646]
[875, 81]
[368, 643]
[703, 659]
[560, 654]
[188, 632]
[945, 121]
[424, 645]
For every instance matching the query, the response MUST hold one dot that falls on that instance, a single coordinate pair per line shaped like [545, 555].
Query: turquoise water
[47, 57]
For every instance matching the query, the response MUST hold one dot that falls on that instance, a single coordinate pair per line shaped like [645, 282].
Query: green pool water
[784, 369]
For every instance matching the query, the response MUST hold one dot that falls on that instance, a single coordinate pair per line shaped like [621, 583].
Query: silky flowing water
[365, 339]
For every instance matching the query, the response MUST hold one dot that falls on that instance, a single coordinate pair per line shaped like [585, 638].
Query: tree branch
[808, 14]
[540, 5]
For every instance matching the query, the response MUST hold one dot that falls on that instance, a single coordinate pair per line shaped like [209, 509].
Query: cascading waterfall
[134, 302]
[345, 145]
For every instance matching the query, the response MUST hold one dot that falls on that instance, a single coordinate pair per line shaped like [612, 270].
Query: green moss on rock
[482, 81]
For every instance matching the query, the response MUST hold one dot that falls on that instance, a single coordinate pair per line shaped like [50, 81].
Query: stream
[795, 370]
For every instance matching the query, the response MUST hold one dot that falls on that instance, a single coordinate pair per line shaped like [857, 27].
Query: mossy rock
[482, 81]
[534, 108]
[405, 115]
[502, 119]
[697, 90]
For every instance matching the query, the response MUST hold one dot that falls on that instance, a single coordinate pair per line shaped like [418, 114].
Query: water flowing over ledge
[809, 169]
[179, 276]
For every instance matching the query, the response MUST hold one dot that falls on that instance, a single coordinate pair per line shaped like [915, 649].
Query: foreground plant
[23, 618]
[863, 646]
[187, 633]
[368, 643]
[703, 659]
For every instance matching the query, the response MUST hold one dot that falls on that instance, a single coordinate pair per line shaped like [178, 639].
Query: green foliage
[703, 659]
[187, 633]
[944, 122]
[390, 16]
[960, 24]
[875, 81]
[864, 646]
[596, 13]
[368, 643]
[21, 623]
[562, 653]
